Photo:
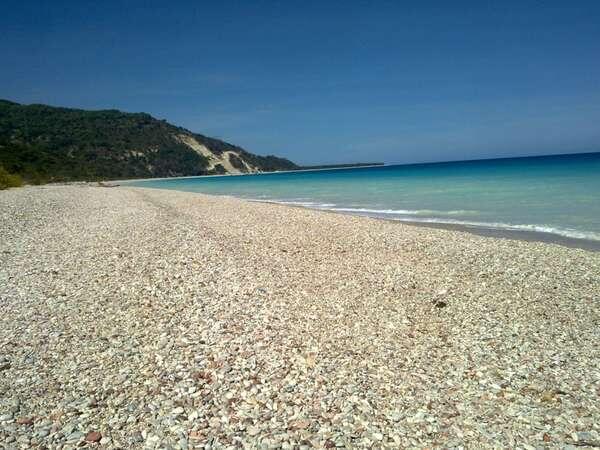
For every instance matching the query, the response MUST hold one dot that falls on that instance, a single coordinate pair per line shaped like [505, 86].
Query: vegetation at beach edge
[8, 180]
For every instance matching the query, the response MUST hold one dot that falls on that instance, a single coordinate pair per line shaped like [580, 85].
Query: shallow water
[552, 194]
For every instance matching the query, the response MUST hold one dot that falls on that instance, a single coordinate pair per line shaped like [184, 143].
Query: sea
[555, 195]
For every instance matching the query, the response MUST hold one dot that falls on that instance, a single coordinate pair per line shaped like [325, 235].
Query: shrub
[8, 180]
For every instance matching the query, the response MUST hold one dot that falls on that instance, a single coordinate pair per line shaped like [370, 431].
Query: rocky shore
[138, 318]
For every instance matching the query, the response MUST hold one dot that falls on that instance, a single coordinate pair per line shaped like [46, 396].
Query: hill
[44, 143]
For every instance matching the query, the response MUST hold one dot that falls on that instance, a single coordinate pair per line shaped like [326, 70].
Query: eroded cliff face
[231, 161]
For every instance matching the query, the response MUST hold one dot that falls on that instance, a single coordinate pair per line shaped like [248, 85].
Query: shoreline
[478, 230]
[516, 235]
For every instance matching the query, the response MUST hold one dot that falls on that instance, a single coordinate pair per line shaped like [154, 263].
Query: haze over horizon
[318, 83]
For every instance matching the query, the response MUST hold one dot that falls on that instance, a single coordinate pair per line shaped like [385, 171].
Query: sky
[323, 82]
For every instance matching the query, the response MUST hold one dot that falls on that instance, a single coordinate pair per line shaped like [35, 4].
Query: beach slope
[160, 319]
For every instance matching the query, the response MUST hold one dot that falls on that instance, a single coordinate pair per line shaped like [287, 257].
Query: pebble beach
[152, 319]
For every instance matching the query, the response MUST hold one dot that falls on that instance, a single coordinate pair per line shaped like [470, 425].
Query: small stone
[547, 396]
[93, 436]
[253, 431]
[152, 439]
[440, 304]
[23, 440]
[310, 360]
[585, 436]
[42, 433]
[75, 437]
[302, 424]
[196, 435]
[25, 421]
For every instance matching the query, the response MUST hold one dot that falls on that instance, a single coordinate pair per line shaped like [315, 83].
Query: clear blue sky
[323, 82]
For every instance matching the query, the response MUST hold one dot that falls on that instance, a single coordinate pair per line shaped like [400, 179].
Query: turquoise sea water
[554, 194]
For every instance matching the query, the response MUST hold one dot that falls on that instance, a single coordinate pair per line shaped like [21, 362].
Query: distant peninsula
[341, 166]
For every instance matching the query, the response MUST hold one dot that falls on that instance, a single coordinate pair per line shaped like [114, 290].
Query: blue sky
[324, 82]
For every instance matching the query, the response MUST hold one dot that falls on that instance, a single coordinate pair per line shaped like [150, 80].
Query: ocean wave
[409, 215]
[565, 232]
[307, 204]
[413, 212]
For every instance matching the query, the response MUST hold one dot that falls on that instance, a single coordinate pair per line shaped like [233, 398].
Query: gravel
[137, 318]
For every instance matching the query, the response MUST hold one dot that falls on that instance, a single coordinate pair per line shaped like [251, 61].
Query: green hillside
[44, 143]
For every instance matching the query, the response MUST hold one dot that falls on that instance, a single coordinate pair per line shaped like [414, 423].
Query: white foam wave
[296, 203]
[507, 226]
[376, 211]
[413, 212]
[408, 215]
